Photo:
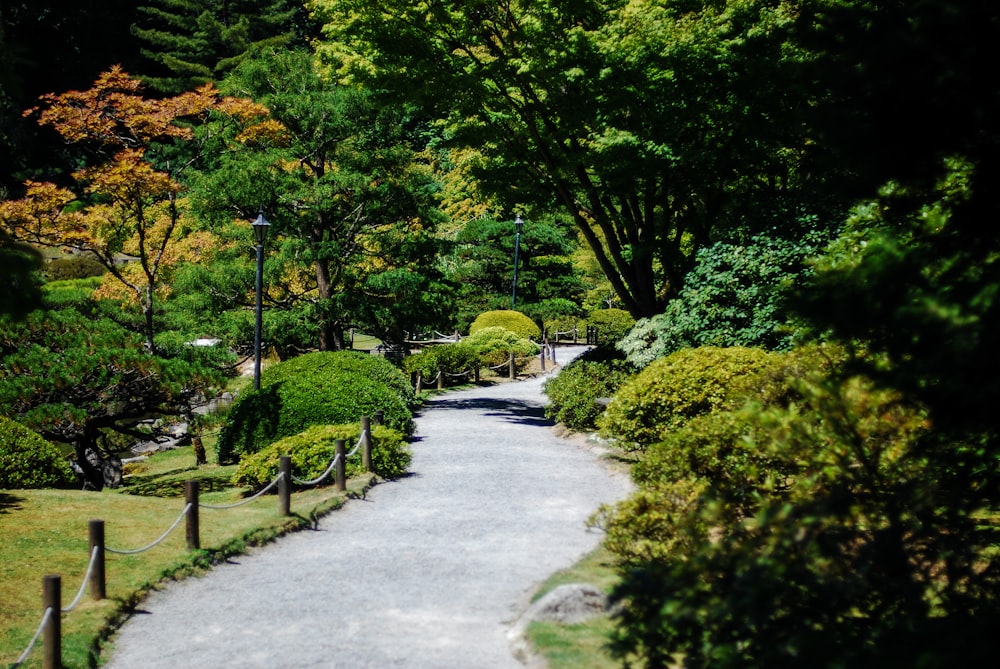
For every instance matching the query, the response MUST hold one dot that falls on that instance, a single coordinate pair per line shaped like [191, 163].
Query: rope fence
[50, 627]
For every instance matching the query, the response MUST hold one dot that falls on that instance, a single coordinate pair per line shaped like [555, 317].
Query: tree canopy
[655, 126]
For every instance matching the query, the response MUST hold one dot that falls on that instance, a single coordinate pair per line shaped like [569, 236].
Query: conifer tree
[194, 42]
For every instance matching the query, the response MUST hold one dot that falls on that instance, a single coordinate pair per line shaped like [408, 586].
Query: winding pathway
[427, 572]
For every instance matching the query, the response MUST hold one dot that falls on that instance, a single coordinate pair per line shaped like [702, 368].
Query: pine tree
[193, 42]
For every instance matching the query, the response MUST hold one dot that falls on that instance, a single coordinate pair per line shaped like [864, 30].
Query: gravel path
[428, 572]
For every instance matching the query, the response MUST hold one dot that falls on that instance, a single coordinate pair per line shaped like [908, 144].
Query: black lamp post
[260, 226]
[519, 224]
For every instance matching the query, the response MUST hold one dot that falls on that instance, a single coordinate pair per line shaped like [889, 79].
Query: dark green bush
[318, 397]
[691, 382]
[611, 324]
[515, 321]
[28, 461]
[373, 367]
[573, 393]
[313, 449]
[74, 267]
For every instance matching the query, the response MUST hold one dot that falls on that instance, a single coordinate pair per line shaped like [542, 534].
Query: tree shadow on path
[516, 411]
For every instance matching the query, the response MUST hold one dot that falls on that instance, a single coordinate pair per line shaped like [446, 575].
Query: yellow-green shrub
[313, 449]
[28, 461]
[508, 319]
[691, 382]
[495, 344]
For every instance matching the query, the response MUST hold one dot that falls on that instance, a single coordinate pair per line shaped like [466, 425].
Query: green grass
[45, 532]
[584, 645]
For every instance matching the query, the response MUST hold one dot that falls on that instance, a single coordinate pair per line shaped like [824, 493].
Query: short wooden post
[510, 365]
[419, 385]
[552, 353]
[52, 634]
[285, 485]
[98, 587]
[191, 531]
[366, 443]
[477, 373]
[440, 379]
[379, 417]
[545, 346]
[340, 472]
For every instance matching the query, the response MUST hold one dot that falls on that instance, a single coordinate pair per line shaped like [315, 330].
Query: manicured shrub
[573, 393]
[611, 324]
[318, 397]
[313, 449]
[562, 328]
[673, 390]
[373, 367]
[451, 359]
[515, 321]
[28, 461]
[495, 344]
[74, 267]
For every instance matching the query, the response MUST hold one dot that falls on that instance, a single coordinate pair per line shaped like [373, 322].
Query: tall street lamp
[519, 224]
[260, 226]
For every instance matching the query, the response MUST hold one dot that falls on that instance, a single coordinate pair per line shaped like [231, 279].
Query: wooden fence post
[366, 443]
[98, 588]
[510, 364]
[340, 472]
[191, 531]
[52, 635]
[285, 485]
[379, 417]
[419, 385]
[545, 346]
[440, 379]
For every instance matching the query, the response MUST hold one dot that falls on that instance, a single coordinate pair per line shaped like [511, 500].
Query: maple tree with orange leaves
[132, 212]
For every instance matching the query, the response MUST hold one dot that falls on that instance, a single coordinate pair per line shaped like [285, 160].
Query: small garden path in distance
[427, 572]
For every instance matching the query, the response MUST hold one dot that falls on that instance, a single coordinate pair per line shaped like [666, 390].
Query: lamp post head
[519, 224]
[260, 226]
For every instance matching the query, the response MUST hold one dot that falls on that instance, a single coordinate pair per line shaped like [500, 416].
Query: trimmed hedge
[456, 358]
[313, 449]
[573, 393]
[374, 367]
[495, 344]
[325, 389]
[691, 382]
[612, 324]
[29, 461]
[515, 321]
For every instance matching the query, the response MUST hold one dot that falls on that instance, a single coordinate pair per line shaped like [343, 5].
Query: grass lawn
[45, 532]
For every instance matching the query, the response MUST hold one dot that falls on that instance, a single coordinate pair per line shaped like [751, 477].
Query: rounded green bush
[74, 267]
[495, 344]
[508, 319]
[374, 367]
[573, 393]
[318, 397]
[612, 324]
[562, 328]
[28, 461]
[691, 382]
[313, 449]
[456, 359]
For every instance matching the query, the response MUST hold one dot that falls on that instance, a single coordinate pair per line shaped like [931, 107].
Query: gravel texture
[427, 572]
